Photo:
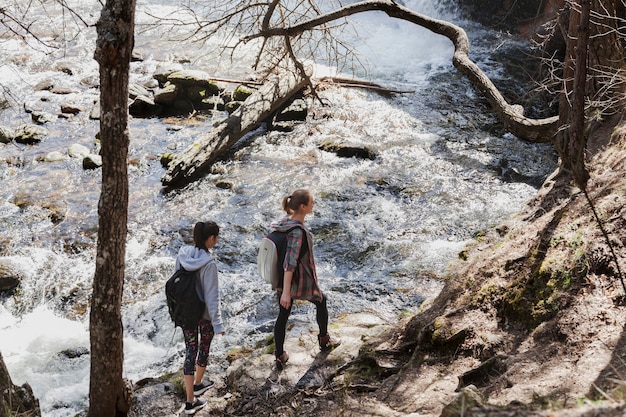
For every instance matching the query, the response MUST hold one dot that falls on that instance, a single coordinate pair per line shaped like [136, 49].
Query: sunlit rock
[92, 161]
[30, 134]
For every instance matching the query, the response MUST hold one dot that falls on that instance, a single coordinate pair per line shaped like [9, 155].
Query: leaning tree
[589, 79]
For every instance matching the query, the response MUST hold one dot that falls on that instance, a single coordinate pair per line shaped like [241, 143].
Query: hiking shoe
[191, 408]
[282, 360]
[200, 388]
[328, 344]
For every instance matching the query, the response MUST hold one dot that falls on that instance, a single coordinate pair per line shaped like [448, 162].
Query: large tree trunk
[193, 161]
[594, 57]
[108, 395]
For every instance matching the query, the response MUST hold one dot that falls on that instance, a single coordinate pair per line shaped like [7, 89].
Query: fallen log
[190, 164]
[368, 85]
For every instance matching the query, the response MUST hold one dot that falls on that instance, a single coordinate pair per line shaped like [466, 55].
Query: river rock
[42, 117]
[295, 111]
[92, 161]
[346, 150]
[164, 70]
[76, 150]
[45, 85]
[241, 93]
[6, 134]
[10, 275]
[189, 78]
[136, 90]
[30, 134]
[213, 103]
[70, 109]
[144, 106]
[55, 156]
[94, 114]
[167, 94]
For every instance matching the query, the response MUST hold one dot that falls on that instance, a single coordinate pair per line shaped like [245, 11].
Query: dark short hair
[202, 231]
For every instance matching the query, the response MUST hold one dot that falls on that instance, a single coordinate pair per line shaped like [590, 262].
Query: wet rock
[55, 156]
[68, 68]
[63, 90]
[73, 353]
[45, 85]
[94, 114]
[144, 106]
[296, 111]
[241, 93]
[6, 134]
[10, 275]
[346, 150]
[70, 109]
[213, 103]
[231, 106]
[42, 117]
[166, 95]
[166, 158]
[189, 78]
[76, 150]
[30, 134]
[137, 90]
[164, 70]
[92, 162]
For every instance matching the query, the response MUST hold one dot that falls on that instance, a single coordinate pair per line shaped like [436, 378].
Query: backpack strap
[305, 241]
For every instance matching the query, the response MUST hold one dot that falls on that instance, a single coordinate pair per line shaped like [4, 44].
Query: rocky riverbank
[529, 323]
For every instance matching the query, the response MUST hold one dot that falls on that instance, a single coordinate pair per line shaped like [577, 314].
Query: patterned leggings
[197, 353]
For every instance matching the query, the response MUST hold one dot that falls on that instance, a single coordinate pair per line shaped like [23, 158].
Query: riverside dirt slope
[529, 323]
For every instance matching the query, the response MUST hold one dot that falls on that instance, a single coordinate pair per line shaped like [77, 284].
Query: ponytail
[292, 203]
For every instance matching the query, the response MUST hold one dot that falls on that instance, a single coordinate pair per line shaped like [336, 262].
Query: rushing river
[384, 228]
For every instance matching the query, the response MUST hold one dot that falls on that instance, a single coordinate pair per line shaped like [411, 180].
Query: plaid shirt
[304, 284]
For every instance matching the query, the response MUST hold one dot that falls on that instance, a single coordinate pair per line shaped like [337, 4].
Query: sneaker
[282, 360]
[191, 408]
[199, 389]
[328, 344]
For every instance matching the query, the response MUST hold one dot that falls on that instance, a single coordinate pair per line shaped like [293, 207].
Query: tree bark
[594, 56]
[512, 116]
[194, 161]
[108, 395]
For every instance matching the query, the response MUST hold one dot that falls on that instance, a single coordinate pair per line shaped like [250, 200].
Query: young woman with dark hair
[198, 338]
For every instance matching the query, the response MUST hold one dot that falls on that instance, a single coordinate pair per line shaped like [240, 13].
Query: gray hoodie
[193, 259]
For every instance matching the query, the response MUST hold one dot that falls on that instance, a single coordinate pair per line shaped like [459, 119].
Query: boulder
[92, 161]
[10, 275]
[42, 117]
[194, 78]
[166, 95]
[6, 134]
[30, 134]
[76, 150]
[346, 150]
[164, 70]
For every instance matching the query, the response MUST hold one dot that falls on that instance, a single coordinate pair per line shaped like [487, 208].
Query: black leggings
[280, 327]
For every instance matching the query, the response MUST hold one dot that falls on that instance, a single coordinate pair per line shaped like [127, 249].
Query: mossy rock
[241, 93]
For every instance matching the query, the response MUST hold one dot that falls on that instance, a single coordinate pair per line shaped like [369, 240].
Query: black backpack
[271, 256]
[184, 304]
